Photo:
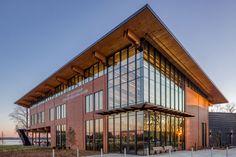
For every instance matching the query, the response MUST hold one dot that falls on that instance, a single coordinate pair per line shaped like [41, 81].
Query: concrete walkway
[200, 153]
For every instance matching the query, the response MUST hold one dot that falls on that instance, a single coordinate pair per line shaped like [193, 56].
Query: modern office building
[135, 88]
[222, 129]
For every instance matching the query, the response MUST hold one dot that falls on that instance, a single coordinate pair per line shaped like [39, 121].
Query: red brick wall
[76, 116]
[75, 111]
[198, 106]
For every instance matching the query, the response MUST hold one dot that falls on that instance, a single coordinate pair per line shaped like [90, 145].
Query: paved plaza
[200, 153]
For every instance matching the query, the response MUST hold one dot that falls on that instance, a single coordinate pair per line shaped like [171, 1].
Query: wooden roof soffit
[49, 87]
[31, 98]
[40, 93]
[61, 80]
[78, 70]
[134, 39]
[24, 102]
[100, 57]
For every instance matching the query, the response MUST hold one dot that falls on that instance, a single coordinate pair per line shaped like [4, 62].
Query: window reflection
[138, 77]
[148, 128]
[94, 134]
[126, 81]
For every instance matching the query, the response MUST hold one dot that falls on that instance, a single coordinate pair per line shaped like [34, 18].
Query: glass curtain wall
[126, 131]
[163, 83]
[125, 78]
[137, 131]
[144, 76]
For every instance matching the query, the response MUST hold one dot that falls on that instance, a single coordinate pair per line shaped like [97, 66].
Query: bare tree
[215, 108]
[229, 108]
[19, 116]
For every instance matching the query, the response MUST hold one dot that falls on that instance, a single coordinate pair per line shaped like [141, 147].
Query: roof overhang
[144, 24]
[145, 107]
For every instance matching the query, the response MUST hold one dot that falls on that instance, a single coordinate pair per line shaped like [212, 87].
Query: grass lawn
[11, 148]
[33, 151]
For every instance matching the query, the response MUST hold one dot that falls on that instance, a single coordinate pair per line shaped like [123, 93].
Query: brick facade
[75, 112]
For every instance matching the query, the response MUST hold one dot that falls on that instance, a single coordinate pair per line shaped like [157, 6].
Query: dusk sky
[38, 37]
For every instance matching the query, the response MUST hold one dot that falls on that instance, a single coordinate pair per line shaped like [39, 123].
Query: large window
[98, 134]
[139, 130]
[34, 119]
[111, 133]
[61, 136]
[89, 135]
[37, 118]
[94, 102]
[124, 130]
[163, 83]
[51, 114]
[117, 133]
[58, 112]
[144, 76]
[61, 111]
[98, 96]
[42, 117]
[139, 136]
[94, 134]
[125, 78]
[89, 103]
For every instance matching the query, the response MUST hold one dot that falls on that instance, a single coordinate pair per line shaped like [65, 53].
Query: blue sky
[38, 37]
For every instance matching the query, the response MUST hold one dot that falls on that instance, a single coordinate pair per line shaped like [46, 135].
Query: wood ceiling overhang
[144, 24]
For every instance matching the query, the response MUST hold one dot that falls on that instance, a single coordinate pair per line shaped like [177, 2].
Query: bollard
[169, 153]
[77, 152]
[53, 152]
[227, 151]
[147, 152]
[211, 151]
[124, 152]
[101, 153]
[192, 152]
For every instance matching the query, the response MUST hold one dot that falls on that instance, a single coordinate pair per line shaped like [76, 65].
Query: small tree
[19, 116]
[71, 136]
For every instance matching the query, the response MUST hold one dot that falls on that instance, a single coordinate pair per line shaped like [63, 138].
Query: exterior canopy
[143, 107]
[144, 24]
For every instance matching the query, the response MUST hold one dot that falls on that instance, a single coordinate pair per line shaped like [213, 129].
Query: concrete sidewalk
[200, 153]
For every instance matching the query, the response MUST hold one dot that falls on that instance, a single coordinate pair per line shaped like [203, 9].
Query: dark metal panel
[222, 129]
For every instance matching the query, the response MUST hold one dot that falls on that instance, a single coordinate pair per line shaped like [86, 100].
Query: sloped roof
[145, 24]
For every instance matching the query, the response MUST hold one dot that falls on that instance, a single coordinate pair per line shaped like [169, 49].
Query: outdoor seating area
[163, 149]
